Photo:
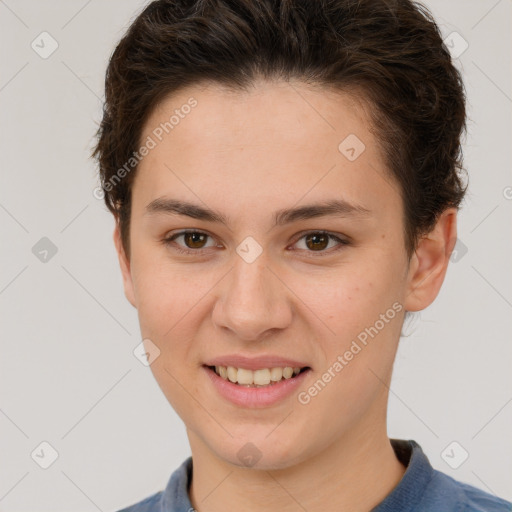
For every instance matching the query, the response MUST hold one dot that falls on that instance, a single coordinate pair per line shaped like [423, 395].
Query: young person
[285, 179]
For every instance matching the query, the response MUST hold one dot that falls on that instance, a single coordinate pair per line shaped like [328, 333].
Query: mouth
[260, 378]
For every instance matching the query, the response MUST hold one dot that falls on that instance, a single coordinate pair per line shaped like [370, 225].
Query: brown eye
[317, 241]
[314, 241]
[194, 240]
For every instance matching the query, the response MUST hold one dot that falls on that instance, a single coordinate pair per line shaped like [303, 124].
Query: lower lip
[255, 397]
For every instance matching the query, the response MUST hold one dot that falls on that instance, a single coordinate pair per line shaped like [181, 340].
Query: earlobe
[430, 262]
[124, 264]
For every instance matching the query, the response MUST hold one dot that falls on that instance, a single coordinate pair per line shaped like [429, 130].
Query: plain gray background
[68, 373]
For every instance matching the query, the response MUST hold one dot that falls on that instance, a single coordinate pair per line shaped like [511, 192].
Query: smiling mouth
[264, 377]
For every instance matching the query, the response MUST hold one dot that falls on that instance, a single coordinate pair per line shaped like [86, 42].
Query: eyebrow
[334, 207]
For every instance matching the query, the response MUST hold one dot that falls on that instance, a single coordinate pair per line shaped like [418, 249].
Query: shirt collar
[408, 492]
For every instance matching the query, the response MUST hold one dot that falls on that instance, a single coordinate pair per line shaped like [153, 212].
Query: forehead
[275, 142]
[271, 113]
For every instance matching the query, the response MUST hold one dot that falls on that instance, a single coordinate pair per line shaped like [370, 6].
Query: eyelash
[169, 242]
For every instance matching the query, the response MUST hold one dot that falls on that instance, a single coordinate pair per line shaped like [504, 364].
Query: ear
[124, 263]
[429, 262]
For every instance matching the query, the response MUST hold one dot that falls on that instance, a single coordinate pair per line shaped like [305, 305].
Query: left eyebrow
[334, 207]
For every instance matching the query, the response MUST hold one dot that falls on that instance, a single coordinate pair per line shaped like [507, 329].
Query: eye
[315, 242]
[194, 241]
[318, 242]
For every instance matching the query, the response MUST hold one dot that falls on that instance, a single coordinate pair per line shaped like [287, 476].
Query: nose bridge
[252, 300]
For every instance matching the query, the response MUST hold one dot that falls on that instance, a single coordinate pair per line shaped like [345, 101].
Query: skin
[247, 155]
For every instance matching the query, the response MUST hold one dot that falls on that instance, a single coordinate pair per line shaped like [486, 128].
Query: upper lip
[254, 363]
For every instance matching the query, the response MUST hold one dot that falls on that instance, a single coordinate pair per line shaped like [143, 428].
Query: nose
[253, 302]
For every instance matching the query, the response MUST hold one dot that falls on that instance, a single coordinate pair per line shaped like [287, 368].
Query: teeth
[287, 372]
[276, 374]
[232, 374]
[244, 376]
[256, 378]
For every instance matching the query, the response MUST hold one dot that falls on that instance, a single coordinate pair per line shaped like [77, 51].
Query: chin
[254, 452]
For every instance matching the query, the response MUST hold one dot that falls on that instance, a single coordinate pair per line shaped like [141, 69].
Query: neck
[354, 473]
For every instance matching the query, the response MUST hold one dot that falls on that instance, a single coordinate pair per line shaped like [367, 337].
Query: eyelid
[333, 236]
[169, 239]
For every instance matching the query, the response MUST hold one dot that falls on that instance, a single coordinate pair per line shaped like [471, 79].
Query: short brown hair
[388, 52]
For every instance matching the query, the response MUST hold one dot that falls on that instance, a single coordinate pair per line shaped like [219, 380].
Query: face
[255, 280]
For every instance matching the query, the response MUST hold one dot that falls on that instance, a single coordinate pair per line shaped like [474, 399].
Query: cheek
[345, 299]
[358, 357]
[359, 314]
[169, 301]
[164, 292]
